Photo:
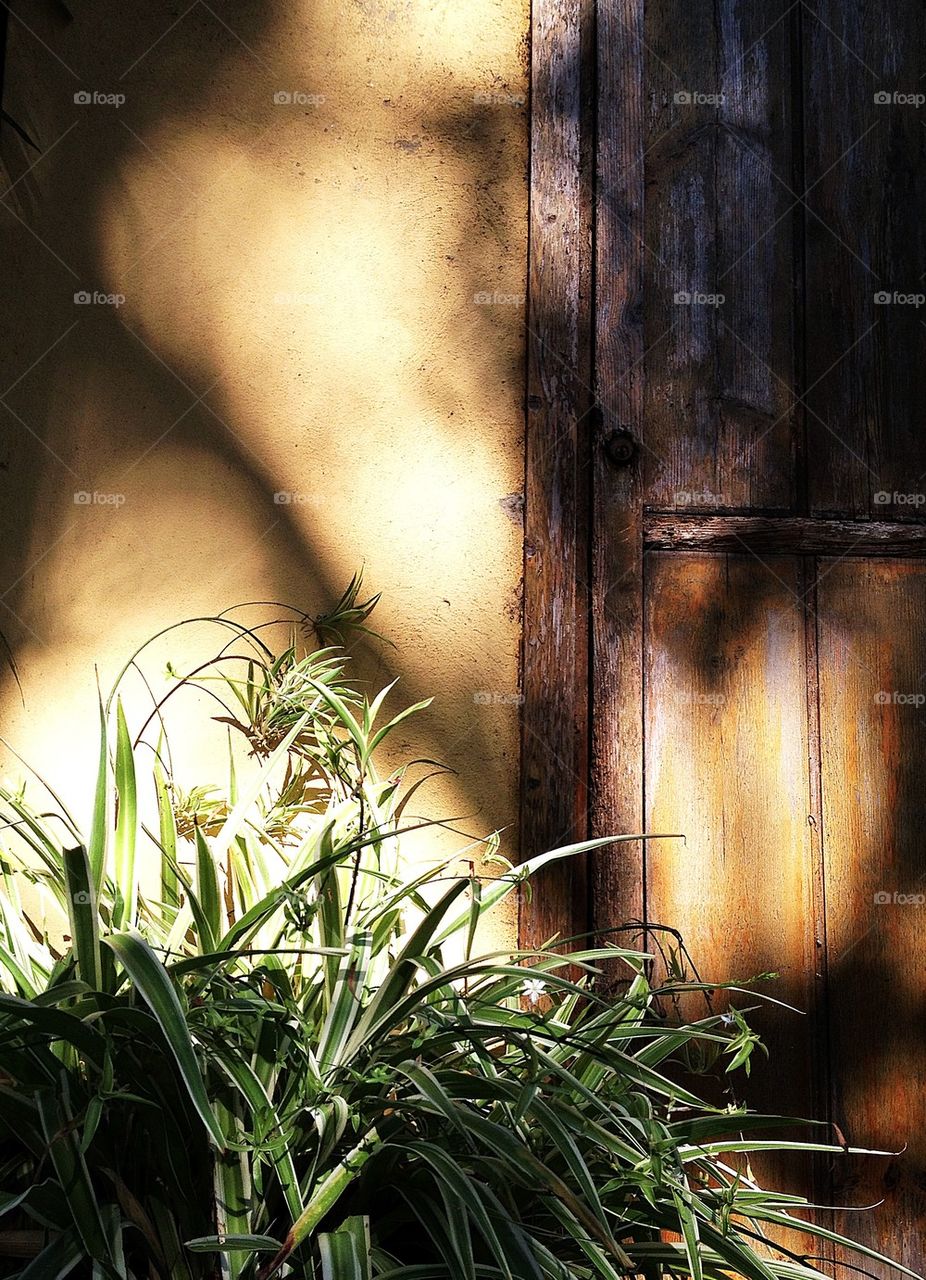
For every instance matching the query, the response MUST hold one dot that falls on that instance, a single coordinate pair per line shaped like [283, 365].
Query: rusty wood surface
[865, 236]
[728, 765]
[616, 565]
[719, 305]
[872, 629]
[553, 674]
[758, 342]
[784, 535]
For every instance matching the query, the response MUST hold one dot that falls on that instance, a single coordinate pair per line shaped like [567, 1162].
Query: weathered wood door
[725, 569]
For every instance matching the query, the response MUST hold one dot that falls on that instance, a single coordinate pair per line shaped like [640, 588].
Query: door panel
[866, 189]
[718, 306]
[727, 764]
[872, 628]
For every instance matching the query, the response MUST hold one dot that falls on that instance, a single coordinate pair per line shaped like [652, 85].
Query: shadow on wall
[264, 323]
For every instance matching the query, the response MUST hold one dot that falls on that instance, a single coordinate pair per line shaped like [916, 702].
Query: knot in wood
[620, 447]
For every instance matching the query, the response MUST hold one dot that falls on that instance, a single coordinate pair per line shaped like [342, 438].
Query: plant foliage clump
[287, 1053]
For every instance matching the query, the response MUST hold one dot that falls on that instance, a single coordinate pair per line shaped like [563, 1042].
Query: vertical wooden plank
[616, 765]
[719, 305]
[866, 254]
[4, 24]
[821, 1169]
[553, 667]
[727, 763]
[872, 626]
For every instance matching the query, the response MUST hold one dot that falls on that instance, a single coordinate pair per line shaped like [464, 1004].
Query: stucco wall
[313, 217]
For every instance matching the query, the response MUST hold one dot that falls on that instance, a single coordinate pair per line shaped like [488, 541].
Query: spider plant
[291, 1055]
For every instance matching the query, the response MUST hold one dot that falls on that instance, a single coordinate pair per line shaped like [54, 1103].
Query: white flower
[533, 988]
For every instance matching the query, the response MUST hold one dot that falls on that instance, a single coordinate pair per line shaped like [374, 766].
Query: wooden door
[725, 568]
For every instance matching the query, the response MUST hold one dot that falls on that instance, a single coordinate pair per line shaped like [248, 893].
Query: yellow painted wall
[309, 219]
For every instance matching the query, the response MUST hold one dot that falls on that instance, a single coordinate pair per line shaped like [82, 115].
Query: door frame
[582, 618]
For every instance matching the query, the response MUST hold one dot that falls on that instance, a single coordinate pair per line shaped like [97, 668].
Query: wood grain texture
[865, 235]
[552, 676]
[717, 225]
[616, 782]
[784, 535]
[872, 629]
[820, 1172]
[750, 587]
[727, 764]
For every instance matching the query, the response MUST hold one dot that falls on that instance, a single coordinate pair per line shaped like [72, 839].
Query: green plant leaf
[691, 1236]
[56, 1024]
[235, 822]
[345, 1253]
[170, 885]
[71, 1168]
[252, 1089]
[452, 1178]
[238, 1243]
[405, 968]
[499, 889]
[83, 914]
[149, 976]
[208, 892]
[99, 830]
[346, 1002]
[57, 1260]
[124, 909]
[323, 1198]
